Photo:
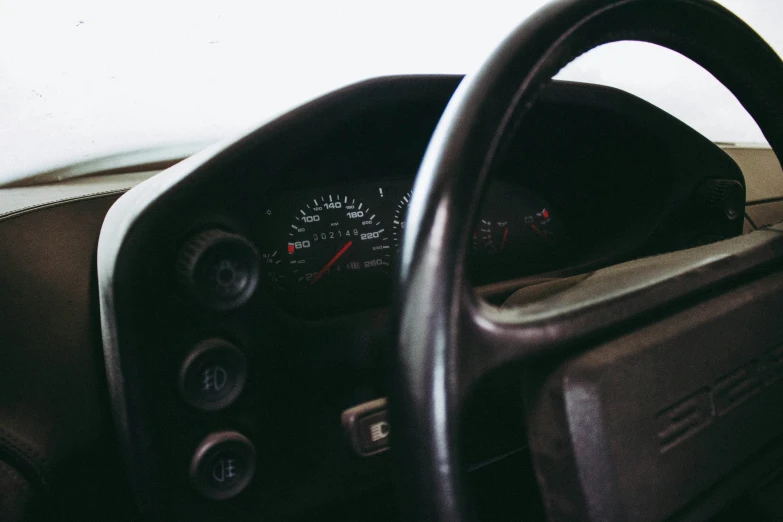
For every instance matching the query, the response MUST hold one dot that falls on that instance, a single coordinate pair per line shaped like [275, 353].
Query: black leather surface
[472, 134]
[53, 399]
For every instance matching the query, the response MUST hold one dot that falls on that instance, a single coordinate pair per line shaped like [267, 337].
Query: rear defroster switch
[223, 465]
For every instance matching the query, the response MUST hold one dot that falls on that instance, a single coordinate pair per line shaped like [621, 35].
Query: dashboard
[327, 230]
[333, 249]
[262, 271]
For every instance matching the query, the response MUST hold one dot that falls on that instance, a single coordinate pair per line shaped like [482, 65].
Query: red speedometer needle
[505, 238]
[332, 261]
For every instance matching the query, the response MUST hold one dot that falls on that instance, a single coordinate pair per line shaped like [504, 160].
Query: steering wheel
[661, 380]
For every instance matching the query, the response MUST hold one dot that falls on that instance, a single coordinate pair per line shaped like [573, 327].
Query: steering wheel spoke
[582, 308]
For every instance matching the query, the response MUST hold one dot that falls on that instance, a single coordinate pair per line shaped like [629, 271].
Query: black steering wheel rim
[430, 374]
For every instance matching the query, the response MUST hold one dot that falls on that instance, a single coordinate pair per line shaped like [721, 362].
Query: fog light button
[213, 375]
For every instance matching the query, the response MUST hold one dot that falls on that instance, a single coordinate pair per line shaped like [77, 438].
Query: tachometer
[333, 239]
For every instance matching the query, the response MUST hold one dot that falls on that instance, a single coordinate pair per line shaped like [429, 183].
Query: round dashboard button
[223, 465]
[220, 269]
[213, 375]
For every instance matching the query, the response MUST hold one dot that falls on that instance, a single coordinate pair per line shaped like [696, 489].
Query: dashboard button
[213, 375]
[368, 427]
[220, 269]
[374, 431]
[721, 199]
[223, 465]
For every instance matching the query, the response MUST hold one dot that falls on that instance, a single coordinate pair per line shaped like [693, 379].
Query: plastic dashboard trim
[120, 219]
[123, 218]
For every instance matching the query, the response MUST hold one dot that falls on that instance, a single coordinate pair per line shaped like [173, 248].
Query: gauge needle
[537, 231]
[505, 238]
[325, 269]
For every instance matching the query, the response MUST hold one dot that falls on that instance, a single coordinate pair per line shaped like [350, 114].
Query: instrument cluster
[330, 250]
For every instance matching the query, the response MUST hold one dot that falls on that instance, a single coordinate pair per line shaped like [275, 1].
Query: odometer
[335, 239]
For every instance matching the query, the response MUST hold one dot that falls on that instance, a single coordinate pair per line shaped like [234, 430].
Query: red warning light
[545, 213]
[291, 248]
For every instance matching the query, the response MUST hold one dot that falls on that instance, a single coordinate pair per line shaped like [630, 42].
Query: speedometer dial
[336, 238]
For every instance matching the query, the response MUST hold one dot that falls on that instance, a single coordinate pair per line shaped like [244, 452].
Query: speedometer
[334, 239]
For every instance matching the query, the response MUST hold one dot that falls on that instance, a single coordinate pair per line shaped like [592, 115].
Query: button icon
[214, 379]
[379, 430]
[225, 469]
[223, 465]
[212, 375]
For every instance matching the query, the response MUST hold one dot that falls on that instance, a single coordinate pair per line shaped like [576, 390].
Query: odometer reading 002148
[335, 239]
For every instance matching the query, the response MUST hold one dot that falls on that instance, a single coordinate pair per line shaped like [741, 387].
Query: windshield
[81, 79]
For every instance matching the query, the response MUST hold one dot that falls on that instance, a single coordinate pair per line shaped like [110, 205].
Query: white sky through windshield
[79, 79]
